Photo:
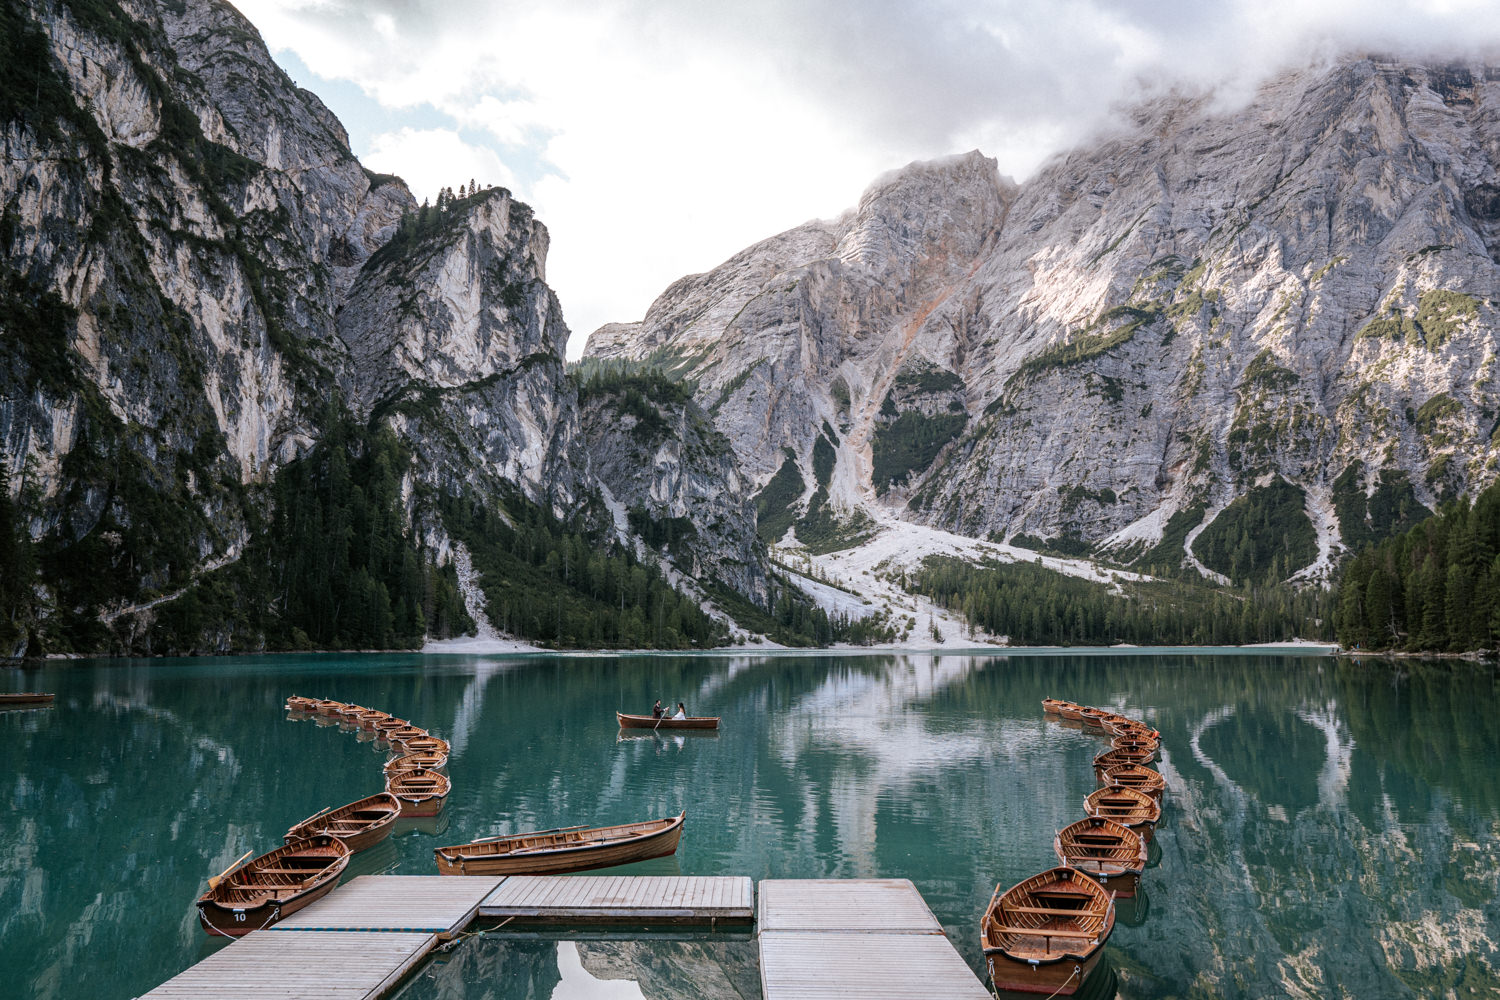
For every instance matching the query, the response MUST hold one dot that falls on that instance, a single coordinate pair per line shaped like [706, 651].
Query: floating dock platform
[870, 938]
[857, 939]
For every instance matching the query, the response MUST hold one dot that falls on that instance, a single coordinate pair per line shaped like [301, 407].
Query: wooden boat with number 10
[570, 849]
[1046, 935]
[274, 885]
[666, 722]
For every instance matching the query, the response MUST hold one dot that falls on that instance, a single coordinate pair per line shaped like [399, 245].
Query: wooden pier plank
[439, 904]
[882, 905]
[313, 965]
[585, 898]
[817, 965]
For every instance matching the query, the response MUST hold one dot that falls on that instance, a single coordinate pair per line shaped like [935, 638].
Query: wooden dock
[621, 899]
[862, 939]
[432, 904]
[318, 965]
[869, 938]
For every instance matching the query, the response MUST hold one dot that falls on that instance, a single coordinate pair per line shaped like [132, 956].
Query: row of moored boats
[315, 852]
[1047, 934]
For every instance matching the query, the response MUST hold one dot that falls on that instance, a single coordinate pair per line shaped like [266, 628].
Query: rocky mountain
[1230, 341]
[247, 386]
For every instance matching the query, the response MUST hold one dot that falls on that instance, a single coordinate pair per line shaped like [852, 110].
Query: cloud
[429, 159]
[657, 137]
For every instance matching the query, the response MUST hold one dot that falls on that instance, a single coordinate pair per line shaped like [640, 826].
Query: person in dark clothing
[656, 710]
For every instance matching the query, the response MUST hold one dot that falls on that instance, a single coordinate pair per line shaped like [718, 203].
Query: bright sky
[655, 138]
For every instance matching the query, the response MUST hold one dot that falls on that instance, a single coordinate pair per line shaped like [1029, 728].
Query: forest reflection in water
[1331, 825]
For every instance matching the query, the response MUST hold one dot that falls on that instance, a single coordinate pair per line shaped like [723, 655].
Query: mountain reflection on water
[1332, 827]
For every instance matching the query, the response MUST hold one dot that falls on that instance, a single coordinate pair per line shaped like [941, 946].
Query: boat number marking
[239, 915]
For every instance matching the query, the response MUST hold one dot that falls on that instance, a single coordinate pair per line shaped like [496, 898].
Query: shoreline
[515, 648]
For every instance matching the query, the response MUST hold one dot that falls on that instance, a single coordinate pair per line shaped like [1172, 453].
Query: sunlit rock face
[1164, 319]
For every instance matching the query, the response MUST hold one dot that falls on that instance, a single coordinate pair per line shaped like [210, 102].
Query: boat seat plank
[1051, 911]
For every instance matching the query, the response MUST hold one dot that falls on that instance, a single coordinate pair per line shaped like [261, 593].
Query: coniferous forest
[1036, 606]
[1435, 588]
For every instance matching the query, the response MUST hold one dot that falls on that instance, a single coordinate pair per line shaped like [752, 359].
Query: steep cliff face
[224, 338]
[169, 315]
[453, 332]
[1294, 299]
[672, 480]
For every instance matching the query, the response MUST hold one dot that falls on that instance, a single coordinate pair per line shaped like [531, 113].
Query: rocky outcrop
[200, 282]
[672, 480]
[1176, 316]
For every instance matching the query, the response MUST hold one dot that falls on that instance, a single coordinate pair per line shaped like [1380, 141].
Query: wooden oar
[214, 880]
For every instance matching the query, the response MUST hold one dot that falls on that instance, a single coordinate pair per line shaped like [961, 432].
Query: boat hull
[238, 921]
[651, 722]
[565, 859]
[26, 698]
[1061, 978]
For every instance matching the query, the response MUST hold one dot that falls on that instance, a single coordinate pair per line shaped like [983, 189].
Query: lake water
[1332, 827]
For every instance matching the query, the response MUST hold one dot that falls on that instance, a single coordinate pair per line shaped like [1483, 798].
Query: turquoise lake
[1332, 827]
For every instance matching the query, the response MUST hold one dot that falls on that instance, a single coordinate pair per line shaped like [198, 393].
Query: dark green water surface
[1332, 827]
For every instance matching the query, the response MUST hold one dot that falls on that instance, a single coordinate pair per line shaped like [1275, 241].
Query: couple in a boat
[656, 711]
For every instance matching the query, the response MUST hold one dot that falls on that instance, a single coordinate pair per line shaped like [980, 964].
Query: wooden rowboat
[1070, 711]
[666, 722]
[360, 825]
[1135, 776]
[265, 889]
[416, 761]
[1046, 935]
[297, 703]
[1092, 717]
[421, 744]
[389, 724]
[1053, 706]
[367, 720]
[1137, 743]
[1116, 756]
[351, 710]
[26, 698]
[326, 707]
[395, 737]
[422, 791]
[571, 849]
[1132, 728]
[1126, 806]
[1112, 853]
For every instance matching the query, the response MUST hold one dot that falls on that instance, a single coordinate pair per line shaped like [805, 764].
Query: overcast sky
[655, 139]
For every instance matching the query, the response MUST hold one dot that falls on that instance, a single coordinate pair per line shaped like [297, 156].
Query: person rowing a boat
[656, 710]
[681, 712]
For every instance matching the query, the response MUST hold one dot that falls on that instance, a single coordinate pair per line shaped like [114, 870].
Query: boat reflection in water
[382, 859]
[675, 740]
[431, 825]
[1131, 911]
